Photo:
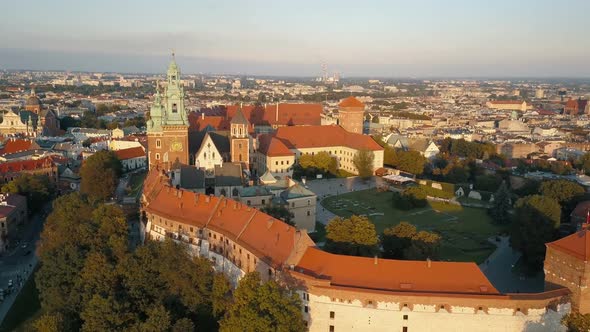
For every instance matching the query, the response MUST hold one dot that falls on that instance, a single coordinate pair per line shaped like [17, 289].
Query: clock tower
[240, 139]
[167, 127]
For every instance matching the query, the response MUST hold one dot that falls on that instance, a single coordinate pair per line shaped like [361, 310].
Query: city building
[508, 105]
[132, 159]
[13, 215]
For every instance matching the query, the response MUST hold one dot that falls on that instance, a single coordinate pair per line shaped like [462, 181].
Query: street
[19, 261]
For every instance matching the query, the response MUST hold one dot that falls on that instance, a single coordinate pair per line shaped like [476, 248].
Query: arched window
[174, 108]
[240, 131]
[234, 192]
[223, 192]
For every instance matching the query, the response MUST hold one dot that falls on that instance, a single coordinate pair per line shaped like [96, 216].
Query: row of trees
[38, 189]
[356, 236]
[90, 120]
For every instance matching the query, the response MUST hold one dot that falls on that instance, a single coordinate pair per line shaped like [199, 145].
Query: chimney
[376, 260]
[203, 116]
[428, 262]
[277, 113]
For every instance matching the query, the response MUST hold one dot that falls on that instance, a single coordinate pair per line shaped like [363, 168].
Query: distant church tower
[167, 127]
[240, 139]
[351, 115]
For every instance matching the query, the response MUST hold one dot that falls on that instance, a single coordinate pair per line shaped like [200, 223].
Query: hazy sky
[357, 38]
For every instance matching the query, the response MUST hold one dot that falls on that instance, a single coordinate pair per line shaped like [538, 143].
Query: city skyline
[381, 39]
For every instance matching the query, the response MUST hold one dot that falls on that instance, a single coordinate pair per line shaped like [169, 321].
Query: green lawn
[464, 230]
[25, 309]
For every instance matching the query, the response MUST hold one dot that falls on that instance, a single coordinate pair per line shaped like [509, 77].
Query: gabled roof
[576, 245]
[135, 152]
[18, 145]
[351, 102]
[298, 137]
[239, 118]
[267, 178]
[272, 146]
[395, 275]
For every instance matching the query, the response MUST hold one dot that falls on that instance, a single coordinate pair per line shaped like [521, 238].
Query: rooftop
[577, 245]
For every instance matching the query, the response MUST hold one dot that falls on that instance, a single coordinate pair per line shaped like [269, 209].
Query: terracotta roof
[198, 122]
[324, 136]
[273, 147]
[17, 145]
[135, 152]
[577, 245]
[351, 102]
[268, 238]
[279, 114]
[395, 275]
[25, 165]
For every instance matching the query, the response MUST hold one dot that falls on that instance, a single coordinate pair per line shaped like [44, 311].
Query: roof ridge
[213, 211]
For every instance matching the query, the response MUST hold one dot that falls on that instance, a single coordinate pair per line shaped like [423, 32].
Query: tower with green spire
[167, 127]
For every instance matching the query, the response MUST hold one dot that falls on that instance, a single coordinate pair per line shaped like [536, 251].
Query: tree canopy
[576, 322]
[354, 236]
[536, 221]
[404, 241]
[89, 280]
[561, 190]
[100, 175]
[363, 161]
[262, 306]
[38, 189]
[500, 209]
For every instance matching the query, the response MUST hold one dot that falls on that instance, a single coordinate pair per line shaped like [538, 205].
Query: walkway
[498, 269]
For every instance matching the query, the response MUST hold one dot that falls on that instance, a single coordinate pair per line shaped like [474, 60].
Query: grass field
[464, 230]
[25, 309]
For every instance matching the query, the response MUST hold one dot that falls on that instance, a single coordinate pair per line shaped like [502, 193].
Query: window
[158, 143]
[205, 155]
[276, 162]
[212, 154]
[239, 145]
[174, 108]
[308, 213]
[293, 204]
[309, 202]
[240, 157]
[332, 314]
[331, 328]
[405, 329]
[305, 309]
[281, 162]
[157, 156]
[263, 201]
[240, 130]
[248, 202]
[405, 317]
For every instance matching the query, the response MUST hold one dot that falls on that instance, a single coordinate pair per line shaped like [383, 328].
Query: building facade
[167, 128]
[351, 115]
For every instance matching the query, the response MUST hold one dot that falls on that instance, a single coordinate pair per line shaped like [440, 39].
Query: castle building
[351, 115]
[167, 127]
[344, 293]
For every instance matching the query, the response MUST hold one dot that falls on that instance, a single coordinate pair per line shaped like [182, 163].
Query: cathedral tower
[240, 139]
[167, 127]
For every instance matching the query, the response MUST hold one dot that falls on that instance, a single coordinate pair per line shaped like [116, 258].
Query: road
[498, 269]
[19, 261]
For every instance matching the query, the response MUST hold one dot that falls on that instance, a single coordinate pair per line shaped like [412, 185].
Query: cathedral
[171, 144]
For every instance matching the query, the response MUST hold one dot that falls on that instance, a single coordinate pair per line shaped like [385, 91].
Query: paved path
[498, 269]
[330, 187]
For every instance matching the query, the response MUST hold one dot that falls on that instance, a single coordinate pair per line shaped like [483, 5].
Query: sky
[390, 38]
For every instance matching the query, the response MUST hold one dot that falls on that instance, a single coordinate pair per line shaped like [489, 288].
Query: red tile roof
[25, 165]
[272, 146]
[198, 122]
[395, 275]
[351, 102]
[324, 136]
[135, 152]
[268, 238]
[279, 114]
[17, 145]
[577, 245]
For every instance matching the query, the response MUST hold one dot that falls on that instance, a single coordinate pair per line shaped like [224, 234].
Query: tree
[410, 161]
[424, 245]
[561, 190]
[363, 161]
[221, 294]
[280, 212]
[89, 120]
[576, 322]
[38, 189]
[263, 306]
[354, 236]
[536, 221]
[396, 239]
[49, 323]
[500, 209]
[584, 163]
[100, 175]
[306, 161]
[68, 122]
[325, 162]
